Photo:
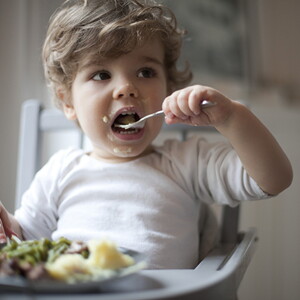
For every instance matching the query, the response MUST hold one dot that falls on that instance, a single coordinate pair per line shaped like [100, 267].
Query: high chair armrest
[230, 260]
[218, 276]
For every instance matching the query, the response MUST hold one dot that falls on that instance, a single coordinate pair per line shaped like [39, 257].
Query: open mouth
[125, 118]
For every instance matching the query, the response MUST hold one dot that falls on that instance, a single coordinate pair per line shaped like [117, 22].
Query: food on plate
[63, 260]
[103, 260]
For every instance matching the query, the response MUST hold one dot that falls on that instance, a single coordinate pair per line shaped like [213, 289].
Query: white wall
[11, 77]
[280, 44]
[275, 271]
[22, 29]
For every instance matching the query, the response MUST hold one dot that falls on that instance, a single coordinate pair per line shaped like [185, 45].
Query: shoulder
[193, 146]
[194, 154]
[63, 160]
[66, 156]
[183, 156]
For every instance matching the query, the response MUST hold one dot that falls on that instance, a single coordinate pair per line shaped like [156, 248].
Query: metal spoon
[140, 123]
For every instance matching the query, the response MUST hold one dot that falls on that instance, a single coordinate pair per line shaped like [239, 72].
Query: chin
[123, 151]
[130, 151]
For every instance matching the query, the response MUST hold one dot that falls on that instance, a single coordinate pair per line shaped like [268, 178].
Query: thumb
[2, 233]
[5, 224]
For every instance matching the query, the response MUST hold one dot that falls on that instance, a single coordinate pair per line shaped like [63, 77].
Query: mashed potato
[103, 261]
[105, 255]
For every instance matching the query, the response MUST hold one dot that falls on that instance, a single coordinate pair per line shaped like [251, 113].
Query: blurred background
[249, 50]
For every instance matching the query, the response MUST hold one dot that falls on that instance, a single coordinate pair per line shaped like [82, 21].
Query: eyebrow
[153, 60]
[89, 63]
[98, 61]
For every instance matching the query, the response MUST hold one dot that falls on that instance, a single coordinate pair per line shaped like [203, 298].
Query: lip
[129, 137]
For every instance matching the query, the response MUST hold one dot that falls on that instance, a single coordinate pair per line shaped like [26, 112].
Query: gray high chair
[218, 274]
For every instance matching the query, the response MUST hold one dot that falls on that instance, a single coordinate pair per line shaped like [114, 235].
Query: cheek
[91, 121]
[154, 103]
[154, 126]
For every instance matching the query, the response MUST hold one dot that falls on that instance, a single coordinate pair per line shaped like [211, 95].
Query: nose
[127, 90]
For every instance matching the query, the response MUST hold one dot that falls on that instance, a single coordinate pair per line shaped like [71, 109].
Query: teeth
[127, 113]
[129, 131]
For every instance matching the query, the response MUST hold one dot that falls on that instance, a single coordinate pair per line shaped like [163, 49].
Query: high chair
[218, 274]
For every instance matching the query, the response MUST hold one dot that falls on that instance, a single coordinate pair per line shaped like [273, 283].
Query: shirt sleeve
[212, 172]
[37, 214]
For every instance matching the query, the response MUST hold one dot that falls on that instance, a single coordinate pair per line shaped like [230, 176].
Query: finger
[174, 107]
[2, 233]
[195, 102]
[5, 221]
[170, 118]
[176, 111]
[183, 102]
[166, 109]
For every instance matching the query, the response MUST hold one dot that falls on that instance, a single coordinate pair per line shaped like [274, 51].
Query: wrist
[235, 115]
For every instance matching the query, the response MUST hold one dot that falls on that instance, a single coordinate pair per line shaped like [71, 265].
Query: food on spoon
[63, 260]
[125, 119]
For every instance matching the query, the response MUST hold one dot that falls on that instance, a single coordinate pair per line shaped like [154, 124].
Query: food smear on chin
[125, 151]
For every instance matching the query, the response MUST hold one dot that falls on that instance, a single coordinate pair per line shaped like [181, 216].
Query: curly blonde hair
[108, 28]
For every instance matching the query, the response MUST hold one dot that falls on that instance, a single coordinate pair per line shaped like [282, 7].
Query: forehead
[151, 50]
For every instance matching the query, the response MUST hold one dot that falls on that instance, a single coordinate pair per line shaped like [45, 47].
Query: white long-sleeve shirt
[151, 204]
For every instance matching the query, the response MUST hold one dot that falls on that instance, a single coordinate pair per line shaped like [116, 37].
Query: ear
[67, 105]
[69, 111]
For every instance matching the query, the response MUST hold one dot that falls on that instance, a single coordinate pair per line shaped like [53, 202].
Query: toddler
[110, 62]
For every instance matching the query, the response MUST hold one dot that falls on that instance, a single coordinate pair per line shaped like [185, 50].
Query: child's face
[134, 83]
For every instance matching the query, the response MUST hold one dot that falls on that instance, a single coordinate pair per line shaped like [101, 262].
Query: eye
[146, 73]
[102, 75]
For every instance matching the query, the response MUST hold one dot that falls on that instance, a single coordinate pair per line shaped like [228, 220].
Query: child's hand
[184, 106]
[5, 224]
[259, 152]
